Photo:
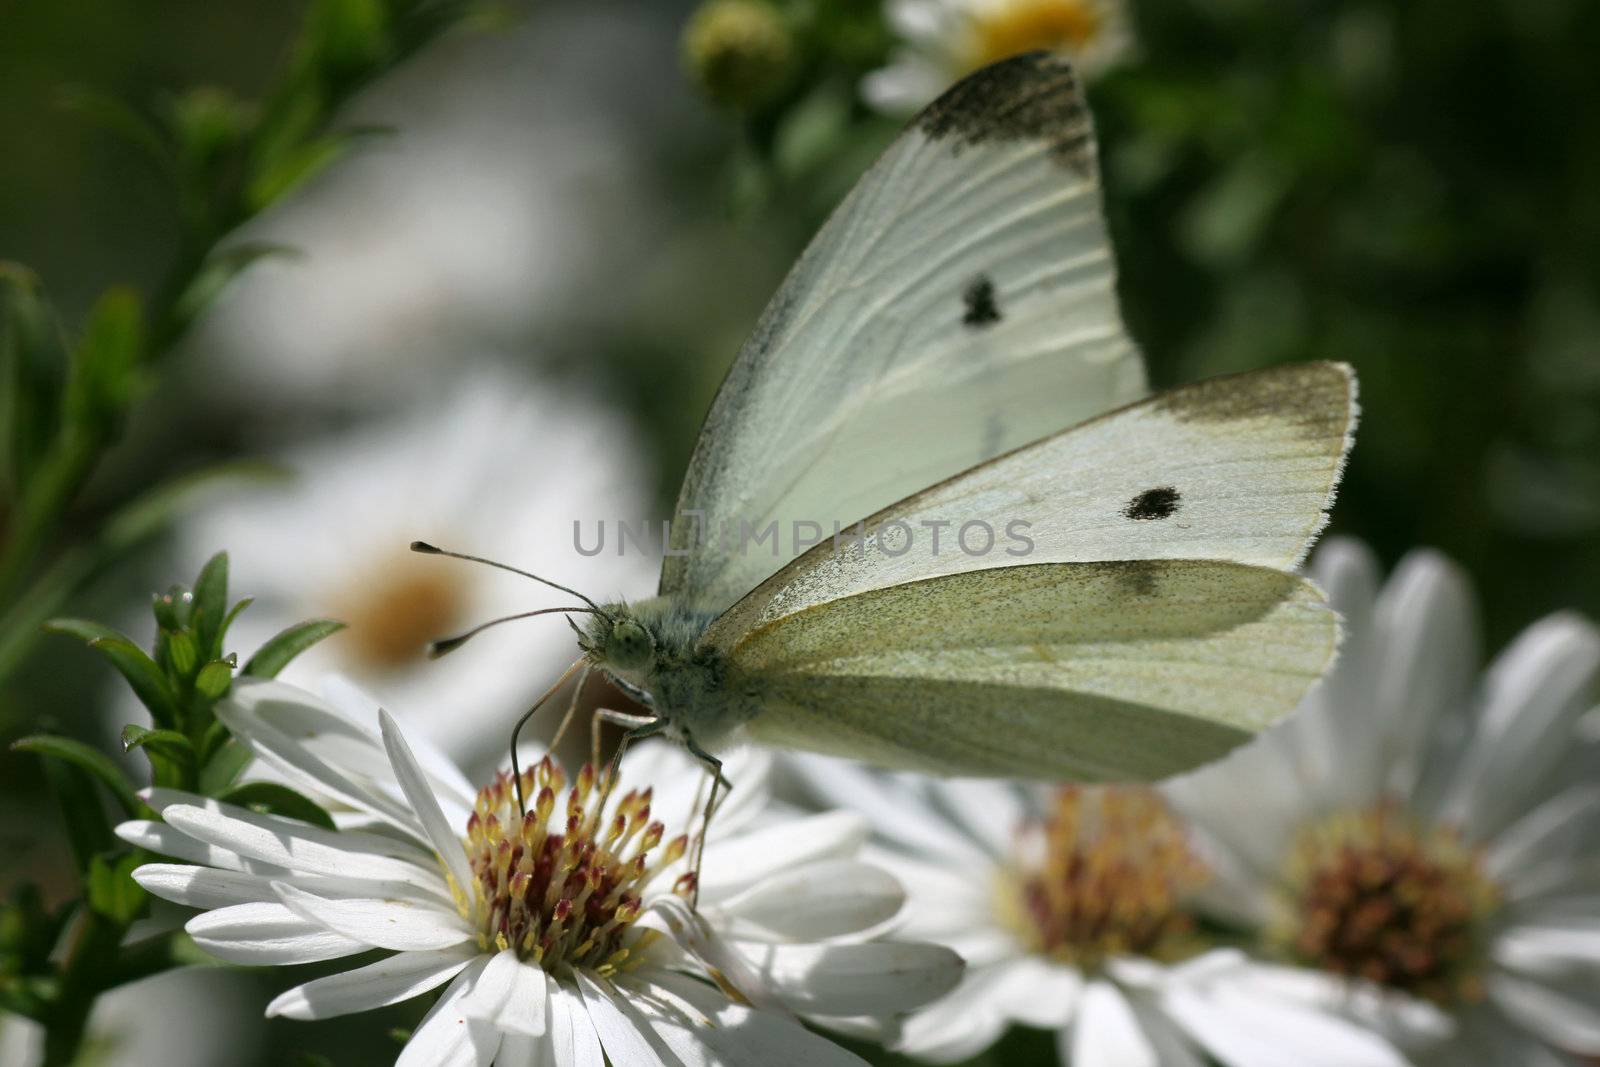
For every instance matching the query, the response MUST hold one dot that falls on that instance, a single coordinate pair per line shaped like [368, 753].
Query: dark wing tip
[1031, 97]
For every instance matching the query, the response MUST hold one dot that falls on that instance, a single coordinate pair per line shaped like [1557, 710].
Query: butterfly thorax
[653, 650]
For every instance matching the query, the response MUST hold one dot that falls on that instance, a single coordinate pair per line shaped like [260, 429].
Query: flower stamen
[1377, 895]
[566, 898]
[1108, 873]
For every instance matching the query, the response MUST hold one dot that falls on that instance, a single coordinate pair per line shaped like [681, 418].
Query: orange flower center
[1012, 27]
[563, 892]
[394, 611]
[1110, 874]
[1376, 895]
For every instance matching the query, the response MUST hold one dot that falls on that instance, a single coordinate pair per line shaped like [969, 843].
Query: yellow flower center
[393, 611]
[1108, 873]
[1000, 30]
[1376, 895]
[563, 897]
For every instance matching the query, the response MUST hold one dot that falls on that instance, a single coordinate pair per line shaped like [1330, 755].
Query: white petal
[1555, 1017]
[1244, 1030]
[426, 806]
[573, 1039]
[1427, 649]
[258, 934]
[898, 813]
[691, 933]
[521, 1008]
[813, 903]
[203, 887]
[248, 711]
[517, 1050]
[733, 865]
[1535, 693]
[167, 840]
[309, 849]
[446, 1037]
[1040, 993]
[1337, 733]
[702, 1026]
[959, 1025]
[1107, 1033]
[875, 978]
[404, 925]
[388, 981]
[356, 706]
[1556, 832]
[623, 1041]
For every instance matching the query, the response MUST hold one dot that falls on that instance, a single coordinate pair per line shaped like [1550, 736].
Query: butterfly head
[617, 642]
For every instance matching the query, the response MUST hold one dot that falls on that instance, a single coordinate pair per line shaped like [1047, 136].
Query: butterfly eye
[630, 646]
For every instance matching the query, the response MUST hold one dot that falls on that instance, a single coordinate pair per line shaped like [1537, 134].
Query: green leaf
[33, 362]
[345, 36]
[278, 800]
[106, 362]
[219, 270]
[181, 654]
[227, 624]
[298, 165]
[273, 656]
[142, 674]
[109, 113]
[215, 677]
[111, 890]
[211, 604]
[135, 665]
[172, 756]
[153, 510]
[171, 608]
[82, 814]
[226, 760]
[89, 760]
[85, 630]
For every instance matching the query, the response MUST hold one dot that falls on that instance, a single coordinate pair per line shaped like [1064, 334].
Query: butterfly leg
[638, 728]
[718, 784]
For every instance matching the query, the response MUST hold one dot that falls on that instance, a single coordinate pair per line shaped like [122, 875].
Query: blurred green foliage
[1408, 185]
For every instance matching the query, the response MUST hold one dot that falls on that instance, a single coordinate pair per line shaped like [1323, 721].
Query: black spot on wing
[1032, 97]
[1159, 503]
[979, 300]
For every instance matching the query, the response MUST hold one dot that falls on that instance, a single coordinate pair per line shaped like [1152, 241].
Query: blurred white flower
[470, 225]
[1072, 910]
[131, 1026]
[943, 40]
[558, 934]
[1415, 831]
[499, 468]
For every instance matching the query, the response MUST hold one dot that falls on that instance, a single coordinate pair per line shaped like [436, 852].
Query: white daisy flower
[499, 468]
[558, 936]
[1071, 909]
[1414, 830]
[944, 40]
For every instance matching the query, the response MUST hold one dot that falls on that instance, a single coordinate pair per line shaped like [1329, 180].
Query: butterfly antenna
[450, 644]
[434, 550]
[516, 767]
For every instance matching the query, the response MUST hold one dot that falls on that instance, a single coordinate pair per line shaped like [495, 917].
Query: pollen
[1006, 28]
[562, 883]
[1377, 895]
[1108, 872]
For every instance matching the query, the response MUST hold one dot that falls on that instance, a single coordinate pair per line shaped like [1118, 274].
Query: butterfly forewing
[958, 304]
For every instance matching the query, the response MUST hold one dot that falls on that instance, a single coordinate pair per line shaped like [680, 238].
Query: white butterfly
[933, 357]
